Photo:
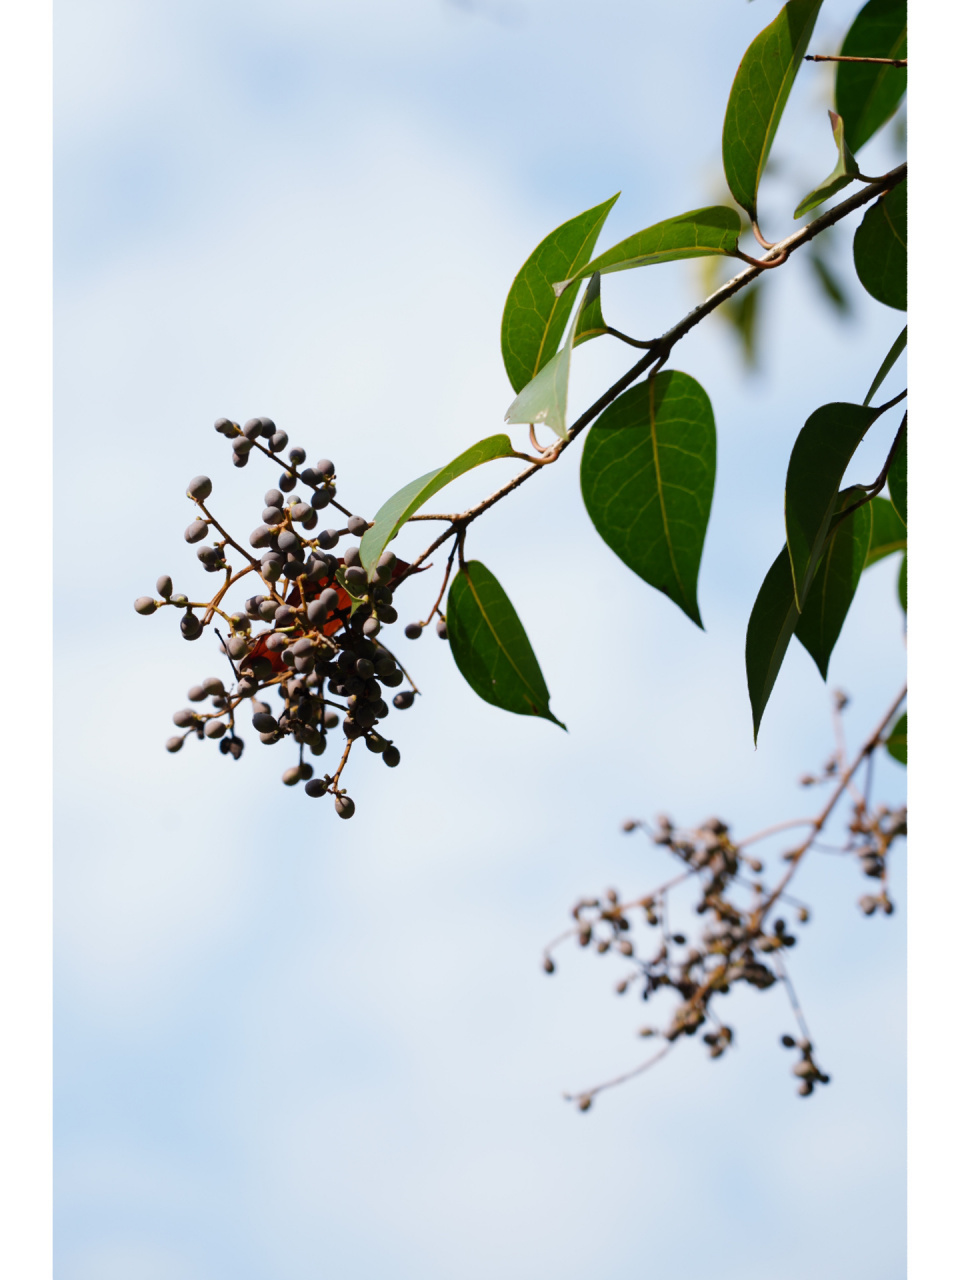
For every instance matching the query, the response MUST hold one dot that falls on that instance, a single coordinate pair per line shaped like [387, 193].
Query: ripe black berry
[345, 807]
[190, 626]
[391, 757]
[413, 631]
[297, 455]
[315, 787]
[403, 700]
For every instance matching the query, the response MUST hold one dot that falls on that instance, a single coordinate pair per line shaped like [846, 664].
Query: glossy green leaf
[902, 584]
[889, 533]
[773, 620]
[880, 248]
[835, 582]
[647, 476]
[490, 646]
[697, 234]
[897, 478]
[843, 174]
[759, 94]
[867, 94]
[889, 360]
[534, 318]
[590, 321]
[397, 510]
[820, 456]
[897, 740]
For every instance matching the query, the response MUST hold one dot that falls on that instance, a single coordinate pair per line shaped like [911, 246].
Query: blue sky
[290, 1046]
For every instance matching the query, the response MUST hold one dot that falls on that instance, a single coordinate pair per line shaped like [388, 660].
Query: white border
[934, 657]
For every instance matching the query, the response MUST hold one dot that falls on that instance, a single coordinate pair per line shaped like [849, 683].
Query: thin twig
[842, 57]
[627, 1075]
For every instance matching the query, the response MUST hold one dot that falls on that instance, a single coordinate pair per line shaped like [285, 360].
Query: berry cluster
[311, 636]
[744, 939]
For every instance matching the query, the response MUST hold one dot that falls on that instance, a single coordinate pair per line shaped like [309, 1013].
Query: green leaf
[590, 321]
[396, 511]
[545, 398]
[773, 621]
[843, 173]
[831, 287]
[889, 360]
[697, 234]
[897, 478]
[490, 646]
[534, 318]
[647, 478]
[880, 248]
[759, 94]
[835, 582]
[897, 740]
[902, 584]
[889, 533]
[821, 454]
[867, 94]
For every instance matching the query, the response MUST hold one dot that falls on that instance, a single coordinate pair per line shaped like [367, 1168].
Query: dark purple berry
[196, 531]
[371, 626]
[213, 685]
[197, 693]
[268, 427]
[287, 481]
[190, 626]
[240, 459]
[316, 612]
[252, 428]
[391, 757]
[285, 616]
[325, 467]
[165, 586]
[297, 455]
[315, 787]
[357, 525]
[329, 598]
[200, 487]
[263, 722]
[403, 700]
[327, 538]
[185, 718]
[345, 807]
[413, 631]
[320, 499]
[301, 512]
[278, 442]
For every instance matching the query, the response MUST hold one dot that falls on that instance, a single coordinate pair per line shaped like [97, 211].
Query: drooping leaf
[490, 646]
[897, 740]
[397, 510]
[835, 582]
[844, 172]
[902, 584]
[590, 321]
[868, 94]
[829, 284]
[697, 234]
[820, 456]
[889, 360]
[544, 400]
[889, 533]
[759, 94]
[880, 248]
[773, 620]
[647, 478]
[534, 318]
[897, 478]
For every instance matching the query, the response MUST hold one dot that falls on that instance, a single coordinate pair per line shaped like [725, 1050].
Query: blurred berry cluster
[311, 637]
